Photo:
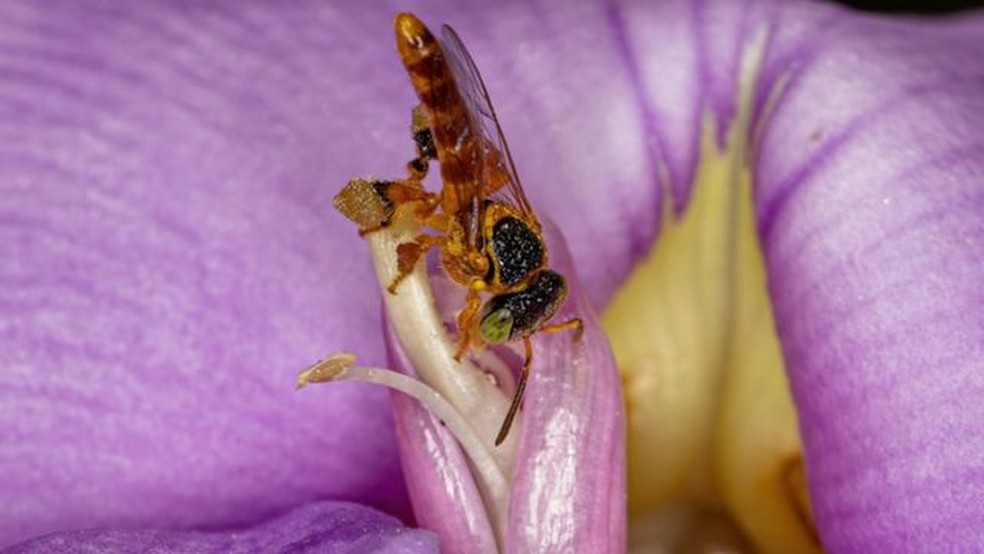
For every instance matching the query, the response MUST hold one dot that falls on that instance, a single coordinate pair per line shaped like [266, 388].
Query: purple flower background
[169, 259]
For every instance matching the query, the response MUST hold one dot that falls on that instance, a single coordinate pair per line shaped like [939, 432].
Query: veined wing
[497, 176]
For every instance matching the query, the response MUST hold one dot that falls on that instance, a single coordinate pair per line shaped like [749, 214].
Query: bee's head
[508, 316]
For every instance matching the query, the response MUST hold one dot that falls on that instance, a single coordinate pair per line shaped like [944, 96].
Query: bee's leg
[405, 191]
[517, 398]
[428, 218]
[409, 253]
[575, 324]
[417, 168]
[524, 374]
[467, 317]
[423, 139]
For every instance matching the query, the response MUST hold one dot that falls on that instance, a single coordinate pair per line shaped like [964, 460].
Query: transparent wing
[498, 174]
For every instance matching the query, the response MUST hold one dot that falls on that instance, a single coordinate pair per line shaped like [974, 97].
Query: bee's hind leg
[423, 140]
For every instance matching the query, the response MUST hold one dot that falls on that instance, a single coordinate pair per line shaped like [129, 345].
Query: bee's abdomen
[432, 79]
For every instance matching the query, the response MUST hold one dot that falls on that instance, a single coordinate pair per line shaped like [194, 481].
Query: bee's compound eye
[496, 327]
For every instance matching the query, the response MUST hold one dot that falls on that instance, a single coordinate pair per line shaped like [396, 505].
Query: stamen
[340, 367]
[457, 391]
[417, 324]
[331, 368]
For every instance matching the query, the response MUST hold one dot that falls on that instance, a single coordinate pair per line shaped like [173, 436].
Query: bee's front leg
[468, 318]
[576, 324]
[409, 253]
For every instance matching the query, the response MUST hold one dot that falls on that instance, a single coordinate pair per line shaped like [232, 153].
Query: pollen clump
[360, 200]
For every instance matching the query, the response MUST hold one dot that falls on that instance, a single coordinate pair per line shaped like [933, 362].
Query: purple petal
[164, 272]
[868, 195]
[170, 260]
[335, 527]
[869, 203]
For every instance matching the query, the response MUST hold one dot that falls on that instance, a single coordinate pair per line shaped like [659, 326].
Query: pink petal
[569, 485]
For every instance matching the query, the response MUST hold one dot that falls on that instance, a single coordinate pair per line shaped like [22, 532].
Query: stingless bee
[489, 238]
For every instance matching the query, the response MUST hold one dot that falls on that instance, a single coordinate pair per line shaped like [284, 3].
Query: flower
[557, 481]
[170, 260]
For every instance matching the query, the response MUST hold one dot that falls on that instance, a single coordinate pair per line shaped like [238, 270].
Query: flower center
[711, 421]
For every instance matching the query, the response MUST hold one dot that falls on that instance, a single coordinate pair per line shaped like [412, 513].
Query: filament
[340, 367]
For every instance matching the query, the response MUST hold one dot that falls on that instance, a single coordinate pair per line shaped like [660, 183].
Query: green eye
[496, 327]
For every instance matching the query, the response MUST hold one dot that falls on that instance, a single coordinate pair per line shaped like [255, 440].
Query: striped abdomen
[457, 139]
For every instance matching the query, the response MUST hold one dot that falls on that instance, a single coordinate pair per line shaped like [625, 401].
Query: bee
[489, 238]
